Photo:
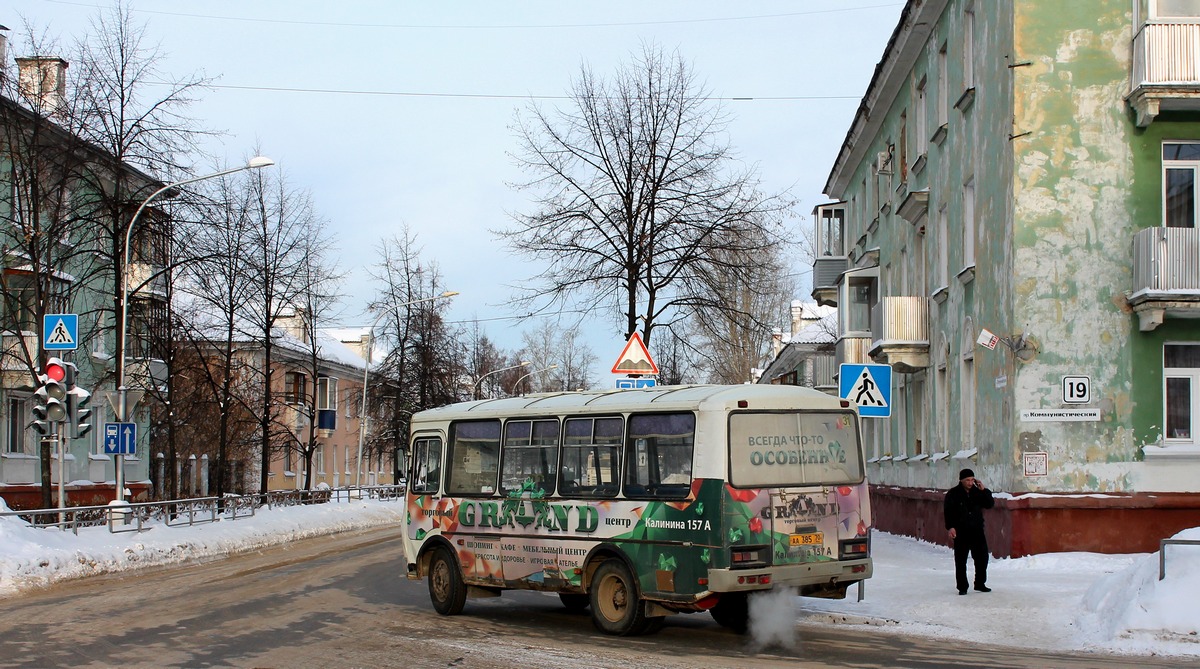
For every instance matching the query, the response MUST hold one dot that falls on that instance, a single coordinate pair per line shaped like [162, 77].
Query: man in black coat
[964, 507]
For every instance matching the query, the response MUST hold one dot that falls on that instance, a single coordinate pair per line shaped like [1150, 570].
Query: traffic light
[77, 401]
[49, 397]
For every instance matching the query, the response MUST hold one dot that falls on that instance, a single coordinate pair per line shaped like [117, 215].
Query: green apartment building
[1028, 170]
[56, 245]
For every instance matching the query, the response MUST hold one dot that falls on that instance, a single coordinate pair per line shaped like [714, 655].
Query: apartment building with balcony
[56, 257]
[1027, 169]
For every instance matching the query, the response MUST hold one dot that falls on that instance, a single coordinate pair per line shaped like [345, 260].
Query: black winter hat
[966, 473]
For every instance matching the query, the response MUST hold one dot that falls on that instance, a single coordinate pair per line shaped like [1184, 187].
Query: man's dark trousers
[975, 543]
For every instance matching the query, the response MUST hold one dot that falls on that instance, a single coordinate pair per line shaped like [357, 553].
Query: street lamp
[254, 163]
[536, 371]
[497, 371]
[362, 416]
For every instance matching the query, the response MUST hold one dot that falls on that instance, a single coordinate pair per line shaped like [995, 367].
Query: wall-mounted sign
[1063, 415]
[1076, 389]
[1037, 463]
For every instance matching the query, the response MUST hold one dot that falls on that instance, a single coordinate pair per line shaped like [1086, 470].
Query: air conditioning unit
[883, 163]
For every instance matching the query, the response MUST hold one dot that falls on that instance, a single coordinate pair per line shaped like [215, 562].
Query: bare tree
[640, 200]
[733, 329]
[484, 360]
[559, 360]
[285, 234]
[313, 305]
[219, 283]
[425, 365]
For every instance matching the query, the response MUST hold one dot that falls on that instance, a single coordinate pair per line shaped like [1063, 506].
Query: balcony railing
[1166, 68]
[900, 330]
[1166, 275]
[826, 272]
[853, 350]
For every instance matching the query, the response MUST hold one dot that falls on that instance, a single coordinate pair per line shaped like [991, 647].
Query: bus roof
[675, 398]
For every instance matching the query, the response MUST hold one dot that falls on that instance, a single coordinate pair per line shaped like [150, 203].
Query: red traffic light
[55, 369]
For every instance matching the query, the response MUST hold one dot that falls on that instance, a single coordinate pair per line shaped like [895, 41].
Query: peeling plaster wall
[1072, 231]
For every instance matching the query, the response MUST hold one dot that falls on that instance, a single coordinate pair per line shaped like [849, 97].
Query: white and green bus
[639, 503]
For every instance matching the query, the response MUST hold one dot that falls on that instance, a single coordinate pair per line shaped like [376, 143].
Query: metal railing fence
[139, 516]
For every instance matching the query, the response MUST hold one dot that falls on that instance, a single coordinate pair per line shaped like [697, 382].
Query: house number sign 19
[1076, 389]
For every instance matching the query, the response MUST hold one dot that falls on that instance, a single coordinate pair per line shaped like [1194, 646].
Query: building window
[18, 417]
[294, 388]
[943, 96]
[916, 403]
[327, 393]
[943, 242]
[968, 224]
[320, 455]
[1180, 163]
[968, 39]
[1181, 374]
[1175, 9]
[920, 131]
[967, 388]
[20, 301]
[288, 464]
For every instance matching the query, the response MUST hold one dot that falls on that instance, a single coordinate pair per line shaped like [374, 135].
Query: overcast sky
[397, 112]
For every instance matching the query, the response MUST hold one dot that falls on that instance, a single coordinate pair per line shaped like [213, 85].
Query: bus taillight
[854, 548]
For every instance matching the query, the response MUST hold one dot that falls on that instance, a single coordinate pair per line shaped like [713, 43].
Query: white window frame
[327, 399]
[1192, 375]
[1194, 167]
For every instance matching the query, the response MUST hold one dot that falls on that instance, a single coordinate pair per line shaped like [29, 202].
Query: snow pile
[32, 557]
[1053, 601]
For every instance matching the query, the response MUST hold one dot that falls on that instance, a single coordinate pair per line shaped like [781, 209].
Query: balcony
[1166, 69]
[146, 279]
[15, 349]
[1166, 275]
[826, 272]
[900, 332]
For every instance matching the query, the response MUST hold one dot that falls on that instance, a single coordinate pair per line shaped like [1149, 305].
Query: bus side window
[658, 457]
[427, 466]
[473, 458]
[591, 457]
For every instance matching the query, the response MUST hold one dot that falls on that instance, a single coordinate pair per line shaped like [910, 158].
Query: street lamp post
[536, 371]
[497, 371]
[362, 416]
[254, 163]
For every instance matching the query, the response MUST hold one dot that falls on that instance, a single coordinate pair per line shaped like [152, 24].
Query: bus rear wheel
[732, 611]
[616, 607]
[447, 590]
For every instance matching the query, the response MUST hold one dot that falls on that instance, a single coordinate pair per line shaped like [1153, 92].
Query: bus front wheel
[616, 607]
[447, 590]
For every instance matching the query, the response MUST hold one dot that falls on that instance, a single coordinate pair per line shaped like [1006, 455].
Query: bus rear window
[786, 449]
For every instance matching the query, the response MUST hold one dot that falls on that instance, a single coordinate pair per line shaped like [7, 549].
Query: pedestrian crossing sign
[60, 332]
[868, 386]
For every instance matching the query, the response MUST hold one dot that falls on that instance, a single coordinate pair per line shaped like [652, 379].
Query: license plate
[808, 539]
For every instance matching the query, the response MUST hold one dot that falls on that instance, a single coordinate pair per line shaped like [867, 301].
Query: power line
[543, 26]
[503, 96]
